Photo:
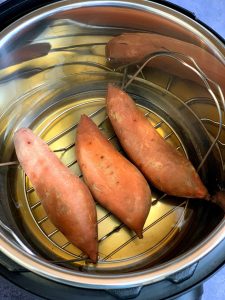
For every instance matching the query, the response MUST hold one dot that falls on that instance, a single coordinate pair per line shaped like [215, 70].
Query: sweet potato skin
[162, 164]
[114, 182]
[135, 47]
[65, 198]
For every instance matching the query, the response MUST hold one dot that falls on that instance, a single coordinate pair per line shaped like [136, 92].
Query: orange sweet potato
[160, 162]
[135, 47]
[65, 198]
[114, 181]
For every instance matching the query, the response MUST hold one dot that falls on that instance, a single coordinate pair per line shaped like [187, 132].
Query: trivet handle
[15, 237]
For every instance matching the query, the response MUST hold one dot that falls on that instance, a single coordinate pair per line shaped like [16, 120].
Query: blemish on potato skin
[83, 165]
[117, 117]
[102, 156]
[94, 186]
[64, 210]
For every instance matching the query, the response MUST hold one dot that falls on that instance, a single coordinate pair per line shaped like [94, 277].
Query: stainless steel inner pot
[53, 69]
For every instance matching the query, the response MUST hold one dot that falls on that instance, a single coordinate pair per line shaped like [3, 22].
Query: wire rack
[106, 257]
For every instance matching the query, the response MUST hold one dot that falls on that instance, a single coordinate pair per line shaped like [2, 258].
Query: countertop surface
[211, 12]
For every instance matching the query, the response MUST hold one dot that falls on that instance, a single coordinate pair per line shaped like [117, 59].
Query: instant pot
[53, 69]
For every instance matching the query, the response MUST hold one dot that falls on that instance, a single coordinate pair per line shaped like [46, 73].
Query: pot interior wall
[54, 69]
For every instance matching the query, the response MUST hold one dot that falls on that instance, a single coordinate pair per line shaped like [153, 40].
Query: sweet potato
[65, 198]
[135, 47]
[160, 162]
[114, 181]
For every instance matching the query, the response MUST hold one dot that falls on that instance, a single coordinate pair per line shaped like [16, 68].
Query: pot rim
[83, 280]
[96, 281]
